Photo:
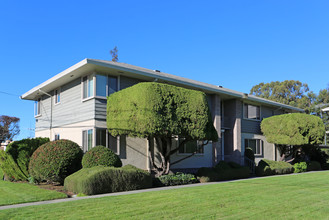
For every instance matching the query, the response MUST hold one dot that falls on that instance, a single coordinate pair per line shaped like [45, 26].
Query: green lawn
[303, 196]
[13, 193]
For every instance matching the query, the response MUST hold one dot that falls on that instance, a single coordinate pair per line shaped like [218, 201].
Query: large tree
[290, 92]
[161, 112]
[9, 127]
[291, 131]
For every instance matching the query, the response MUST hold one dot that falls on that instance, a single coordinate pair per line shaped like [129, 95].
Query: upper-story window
[251, 111]
[87, 86]
[106, 85]
[57, 96]
[37, 107]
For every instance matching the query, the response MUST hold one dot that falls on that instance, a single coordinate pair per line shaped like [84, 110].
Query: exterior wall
[216, 111]
[70, 110]
[268, 150]
[126, 82]
[196, 161]
[134, 151]
[72, 132]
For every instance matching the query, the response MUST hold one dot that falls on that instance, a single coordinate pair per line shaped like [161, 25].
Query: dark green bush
[270, 167]
[100, 156]
[18, 156]
[54, 161]
[249, 153]
[300, 167]
[176, 179]
[325, 166]
[97, 180]
[10, 169]
[313, 165]
[224, 171]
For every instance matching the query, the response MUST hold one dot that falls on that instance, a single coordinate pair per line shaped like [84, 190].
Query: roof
[93, 65]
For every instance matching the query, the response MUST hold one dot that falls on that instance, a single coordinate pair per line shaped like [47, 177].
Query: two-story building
[72, 105]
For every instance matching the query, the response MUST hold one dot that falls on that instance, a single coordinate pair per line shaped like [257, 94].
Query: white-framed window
[88, 86]
[57, 137]
[251, 111]
[57, 94]
[255, 144]
[190, 147]
[104, 138]
[106, 85]
[37, 107]
[87, 139]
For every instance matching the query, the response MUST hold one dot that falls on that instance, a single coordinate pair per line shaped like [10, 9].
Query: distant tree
[161, 112]
[289, 132]
[290, 92]
[9, 127]
[114, 54]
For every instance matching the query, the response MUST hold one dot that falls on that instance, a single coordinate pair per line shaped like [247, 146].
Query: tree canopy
[160, 111]
[9, 127]
[293, 129]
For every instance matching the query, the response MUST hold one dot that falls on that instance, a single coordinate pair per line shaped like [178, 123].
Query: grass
[302, 196]
[14, 193]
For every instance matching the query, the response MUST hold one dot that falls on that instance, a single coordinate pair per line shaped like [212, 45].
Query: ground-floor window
[57, 137]
[255, 144]
[104, 138]
[190, 147]
[87, 139]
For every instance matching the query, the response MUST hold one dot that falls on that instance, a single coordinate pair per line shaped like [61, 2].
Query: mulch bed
[56, 187]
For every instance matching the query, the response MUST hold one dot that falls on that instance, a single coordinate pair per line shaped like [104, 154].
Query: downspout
[51, 113]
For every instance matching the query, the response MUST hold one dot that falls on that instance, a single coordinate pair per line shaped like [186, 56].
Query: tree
[161, 112]
[290, 92]
[9, 127]
[114, 54]
[295, 130]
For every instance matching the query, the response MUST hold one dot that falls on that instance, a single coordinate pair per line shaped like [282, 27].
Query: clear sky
[236, 44]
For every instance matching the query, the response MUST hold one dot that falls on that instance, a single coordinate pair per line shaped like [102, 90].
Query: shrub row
[269, 167]
[223, 171]
[307, 166]
[54, 161]
[175, 179]
[15, 159]
[97, 180]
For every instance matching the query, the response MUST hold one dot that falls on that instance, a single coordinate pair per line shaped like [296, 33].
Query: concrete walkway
[137, 191]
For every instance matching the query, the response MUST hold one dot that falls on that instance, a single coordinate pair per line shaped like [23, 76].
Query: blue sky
[236, 44]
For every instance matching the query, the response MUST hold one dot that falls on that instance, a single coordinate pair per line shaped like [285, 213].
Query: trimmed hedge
[10, 169]
[98, 180]
[313, 166]
[175, 179]
[2, 175]
[54, 161]
[269, 167]
[100, 156]
[16, 158]
[300, 167]
[223, 171]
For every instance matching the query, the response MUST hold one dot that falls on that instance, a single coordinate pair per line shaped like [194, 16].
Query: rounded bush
[101, 155]
[54, 161]
[249, 153]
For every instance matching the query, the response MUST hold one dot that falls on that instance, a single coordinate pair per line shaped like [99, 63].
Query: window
[251, 111]
[255, 144]
[106, 85]
[106, 139]
[190, 147]
[57, 96]
[87, 139]
[37, 107]
[87, 86]
[57, 137]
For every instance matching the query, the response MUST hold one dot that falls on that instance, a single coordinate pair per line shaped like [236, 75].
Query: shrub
[325, 166]
[2, 175]
[100, 156]
[315, 154]
[224, 171]
[54, 161]
[300, 167]
[18, 154]
[204, 179]
[10, 169]
[97, 180]
[313, 165]
[270, 167]
[177, 179]
[249, 153]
